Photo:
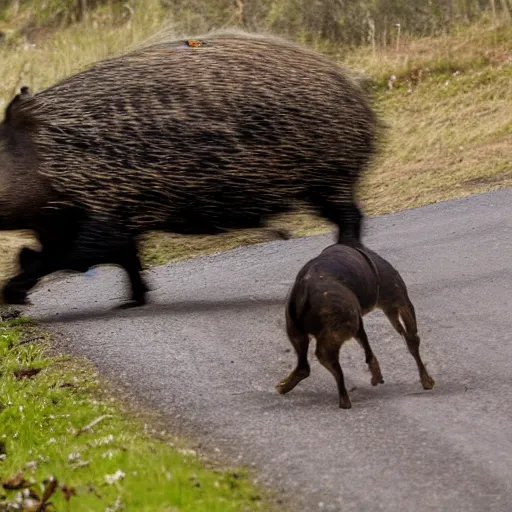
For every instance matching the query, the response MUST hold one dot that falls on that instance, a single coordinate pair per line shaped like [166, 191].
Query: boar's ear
[14, 115]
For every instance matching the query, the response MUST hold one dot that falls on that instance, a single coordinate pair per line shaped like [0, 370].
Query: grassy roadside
[448, 104]
[60, 431]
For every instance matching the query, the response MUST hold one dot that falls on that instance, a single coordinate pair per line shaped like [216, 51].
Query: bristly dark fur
[329, 298]
[194, 139]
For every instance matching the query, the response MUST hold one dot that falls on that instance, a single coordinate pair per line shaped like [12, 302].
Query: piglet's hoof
[283, 387]
[377, 380]
[376, 374]
[345, 403]
[427, 382]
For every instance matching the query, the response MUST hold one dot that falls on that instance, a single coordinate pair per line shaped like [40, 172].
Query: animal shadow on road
[154, 309]
[365, 396]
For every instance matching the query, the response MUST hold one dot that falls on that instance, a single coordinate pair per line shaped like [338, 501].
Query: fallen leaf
[81, 464]
[74, 457]
[26, 373]
[10, 315]
[16, 482]
[186, 451]
[68, 492]
[118, 475]
[31, 505]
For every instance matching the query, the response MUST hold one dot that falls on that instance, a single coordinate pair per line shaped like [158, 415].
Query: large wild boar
[192, 137]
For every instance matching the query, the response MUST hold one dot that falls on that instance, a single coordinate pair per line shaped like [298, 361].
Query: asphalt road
[211, 348]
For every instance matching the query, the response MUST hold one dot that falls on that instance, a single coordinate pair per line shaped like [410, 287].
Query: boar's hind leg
[15, 291]
[346, 215]
[33, 265]
[129, 260]
[55, 242]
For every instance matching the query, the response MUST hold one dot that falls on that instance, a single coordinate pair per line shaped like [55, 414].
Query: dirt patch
[496, 179]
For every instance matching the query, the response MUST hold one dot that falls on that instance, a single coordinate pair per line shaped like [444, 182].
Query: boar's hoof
[129, 304]
[15, 296]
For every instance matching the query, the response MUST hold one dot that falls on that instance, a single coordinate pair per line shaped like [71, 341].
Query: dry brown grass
[449, 112]
[10, 244]
[450, 116]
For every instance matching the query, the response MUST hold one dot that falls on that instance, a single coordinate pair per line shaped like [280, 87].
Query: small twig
[93, 424]
[398, 27]
[30, 340]
[81, 464]
[130, 10]
[10, 315]
[239, 5]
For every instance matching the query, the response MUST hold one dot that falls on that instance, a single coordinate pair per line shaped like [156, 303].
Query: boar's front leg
[87, 251]
[104, 241]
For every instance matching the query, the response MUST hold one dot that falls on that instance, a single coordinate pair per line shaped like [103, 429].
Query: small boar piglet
[328, 300]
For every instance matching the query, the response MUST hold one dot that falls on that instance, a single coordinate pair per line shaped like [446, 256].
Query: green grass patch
[61, 432]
